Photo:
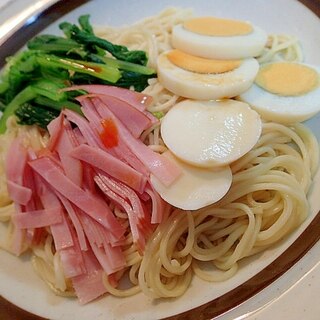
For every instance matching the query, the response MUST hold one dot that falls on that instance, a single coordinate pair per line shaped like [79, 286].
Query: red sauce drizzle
[109, 134]
[92, 68]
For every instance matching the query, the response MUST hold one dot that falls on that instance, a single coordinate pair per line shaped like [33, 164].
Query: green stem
[97, 70]
[23, 96]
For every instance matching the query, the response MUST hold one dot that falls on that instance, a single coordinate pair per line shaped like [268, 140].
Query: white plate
[22, 287]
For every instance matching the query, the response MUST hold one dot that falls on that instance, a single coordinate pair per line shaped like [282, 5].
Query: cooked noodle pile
[267, 199]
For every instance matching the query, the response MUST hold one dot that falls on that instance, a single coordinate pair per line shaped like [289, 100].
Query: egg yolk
[287, 79]
[201, 65]
[211, 26]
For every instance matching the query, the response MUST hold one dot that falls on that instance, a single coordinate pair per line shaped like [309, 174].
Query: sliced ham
[55, 128]
[93, 130]
[38, 218]
[90, 113]
[89, 285]
[135, 120]
[61, 232]
[87, 132]
[18, 235]
[92, 229]
[72, 261]
[73, 215]
[110, 258]
[137, 236]
[158, 205]
[98, 210]
[125, 192]
[98, 158]
[165, 170]
[16, 161]
[91, 165]
[71, 166]
[18, 193]
[136, 99]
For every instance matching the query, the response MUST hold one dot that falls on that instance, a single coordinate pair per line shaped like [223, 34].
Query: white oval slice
[206, 86]
[196, 187]
[210, 133]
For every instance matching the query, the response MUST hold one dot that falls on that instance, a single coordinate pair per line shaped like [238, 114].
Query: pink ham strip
[18, 193]
[61, 231]
[71, 166]
[160, 166]
[89, 135]
[16, 161]
[38, 218]
[72, 212]
[90, 113]
[157, 205]
[102, 235]
[88, 182]
[90, 131]
[33, 236]
[73, 137]
[55, 128]
[92, 229]
[127, 156]
[111, 165]
[136, 99]
[78, 135]
[137, 235]
[115, 256]
[89, 285]
[120, 151]
[111, 258]
[63, 235]
[15, 165]
[18, 235]
[82, 199]
[126, 193]
[135, 120]
[29, 182]
[72, 260]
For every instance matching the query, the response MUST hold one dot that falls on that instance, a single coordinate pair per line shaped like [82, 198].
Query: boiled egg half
[285, 92]
[210, 133]
[217, 38]
[205, 79]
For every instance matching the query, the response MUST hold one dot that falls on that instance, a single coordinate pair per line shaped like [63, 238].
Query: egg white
[206, 86]
[219, 47]
[196, 187]
[283, 109]
[210, 133]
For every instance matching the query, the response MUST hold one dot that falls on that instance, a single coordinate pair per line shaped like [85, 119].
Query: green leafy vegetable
[22, 97]
[31, 114]
[32, 80]
[55, 44]
[118, 51]
[57, 105]
[101, 71]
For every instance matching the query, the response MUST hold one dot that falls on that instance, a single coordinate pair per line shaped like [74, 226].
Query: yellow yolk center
[210, 26]
[287, 79]
[201, 65]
